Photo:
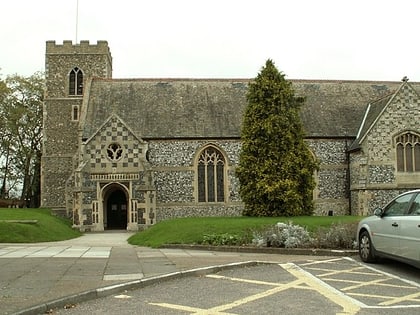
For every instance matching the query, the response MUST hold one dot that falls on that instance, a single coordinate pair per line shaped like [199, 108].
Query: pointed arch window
[76, 82]
[75, 113]
[408, 152]
[211, 175]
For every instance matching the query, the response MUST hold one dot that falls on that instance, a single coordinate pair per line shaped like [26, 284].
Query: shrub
[282, 235]
[338, 235]
[222, 239]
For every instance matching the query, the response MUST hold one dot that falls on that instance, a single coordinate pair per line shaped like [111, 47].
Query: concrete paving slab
[48, 251]
[22, 252]
[8, 249]
[74, 251]
[97, 252]
[151, 253]
[173, 252]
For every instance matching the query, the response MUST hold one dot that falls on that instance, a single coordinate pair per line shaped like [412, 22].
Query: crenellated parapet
[67, 47]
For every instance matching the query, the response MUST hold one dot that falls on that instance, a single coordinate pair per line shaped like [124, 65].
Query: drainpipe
[348, 177]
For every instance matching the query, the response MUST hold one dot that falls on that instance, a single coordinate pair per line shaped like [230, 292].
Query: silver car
[392, 232]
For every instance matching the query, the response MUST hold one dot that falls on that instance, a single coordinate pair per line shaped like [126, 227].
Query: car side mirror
[378, 212]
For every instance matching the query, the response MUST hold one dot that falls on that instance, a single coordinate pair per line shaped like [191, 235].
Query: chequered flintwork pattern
[114, 132]
[405, 105]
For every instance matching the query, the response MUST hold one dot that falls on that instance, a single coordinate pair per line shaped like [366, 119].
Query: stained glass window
[408, 152]
[211, 176]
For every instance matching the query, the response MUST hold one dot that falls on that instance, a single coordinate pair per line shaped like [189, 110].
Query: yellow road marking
[243, 280]
[336, 272]
[330, 272]
[349, 305]
[193, 310]
[221, 308]
[305, 280]
[317, 262]
[364, 284]
[255, 297]
[410, 297]
[255, 281]
[377, 284]
[383, 297]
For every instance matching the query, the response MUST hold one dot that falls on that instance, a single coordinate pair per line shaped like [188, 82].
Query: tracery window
[76, 82]
[211, 176]
[114, 152]
[408, 152]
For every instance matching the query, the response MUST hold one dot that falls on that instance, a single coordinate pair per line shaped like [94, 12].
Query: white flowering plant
[285, 235]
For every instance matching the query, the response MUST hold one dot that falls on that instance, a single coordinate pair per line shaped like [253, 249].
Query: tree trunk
[3, 189]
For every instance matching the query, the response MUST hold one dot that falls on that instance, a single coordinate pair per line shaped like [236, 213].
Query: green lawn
[177, 231]
[192, 230]
[48, 228]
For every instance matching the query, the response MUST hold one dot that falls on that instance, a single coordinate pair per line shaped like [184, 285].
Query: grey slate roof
[336, 108]
[213, 108]
[373, 112]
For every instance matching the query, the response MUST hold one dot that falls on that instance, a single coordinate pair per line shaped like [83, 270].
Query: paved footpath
[33, 275]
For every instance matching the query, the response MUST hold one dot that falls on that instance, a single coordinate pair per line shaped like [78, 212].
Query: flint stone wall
[173, 167]
[332, 178]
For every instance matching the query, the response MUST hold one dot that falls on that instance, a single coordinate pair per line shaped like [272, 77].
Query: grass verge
[176, 231]
[193, 230]
[48, 228]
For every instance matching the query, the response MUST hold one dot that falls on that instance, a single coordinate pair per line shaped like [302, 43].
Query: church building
[127, 153]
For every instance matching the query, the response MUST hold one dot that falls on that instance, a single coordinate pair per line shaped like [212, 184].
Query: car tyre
[366, 250]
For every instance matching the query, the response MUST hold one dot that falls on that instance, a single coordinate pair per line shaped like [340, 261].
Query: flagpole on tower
[77, 19]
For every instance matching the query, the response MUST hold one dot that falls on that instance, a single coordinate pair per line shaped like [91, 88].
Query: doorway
[116, 210]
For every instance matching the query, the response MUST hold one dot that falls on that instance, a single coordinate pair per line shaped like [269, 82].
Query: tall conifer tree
[276, 167]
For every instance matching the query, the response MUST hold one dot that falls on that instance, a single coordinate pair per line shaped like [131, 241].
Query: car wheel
[366, 251]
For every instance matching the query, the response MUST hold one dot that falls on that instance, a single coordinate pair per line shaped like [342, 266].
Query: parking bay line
[220, 309]
[305, 280]
[390, 301]
[378, 283]
[349, 305]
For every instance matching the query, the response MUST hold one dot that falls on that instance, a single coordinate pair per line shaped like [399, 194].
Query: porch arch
[115, 206]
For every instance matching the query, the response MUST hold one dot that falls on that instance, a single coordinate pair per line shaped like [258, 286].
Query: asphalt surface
[36, 278]
[100, 273]
[324, 286]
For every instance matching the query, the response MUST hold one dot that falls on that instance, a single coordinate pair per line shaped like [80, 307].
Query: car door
[386, 230]
[410, 232]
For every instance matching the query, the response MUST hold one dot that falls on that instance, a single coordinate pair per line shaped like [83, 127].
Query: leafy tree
[276, 167]
[21, 135]
[4, 144]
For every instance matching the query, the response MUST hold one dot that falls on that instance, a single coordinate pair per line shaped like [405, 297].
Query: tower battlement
[84, 47]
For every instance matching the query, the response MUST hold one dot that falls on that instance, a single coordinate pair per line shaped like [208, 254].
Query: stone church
[127, 153]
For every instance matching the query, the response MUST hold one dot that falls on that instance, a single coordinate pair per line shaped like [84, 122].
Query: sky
[307, 39]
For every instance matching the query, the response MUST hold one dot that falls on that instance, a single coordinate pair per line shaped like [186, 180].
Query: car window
[415, 206]
[398, 206]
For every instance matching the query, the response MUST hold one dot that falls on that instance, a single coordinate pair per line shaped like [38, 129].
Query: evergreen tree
[275, 168]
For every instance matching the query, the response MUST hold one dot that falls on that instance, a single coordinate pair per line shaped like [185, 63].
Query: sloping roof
[374, 110]
[213, 108]
[336, 108]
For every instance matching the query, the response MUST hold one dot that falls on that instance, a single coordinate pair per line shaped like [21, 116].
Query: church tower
[68, 67]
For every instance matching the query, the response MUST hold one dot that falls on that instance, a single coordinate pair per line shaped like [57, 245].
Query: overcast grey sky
[307, 39]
